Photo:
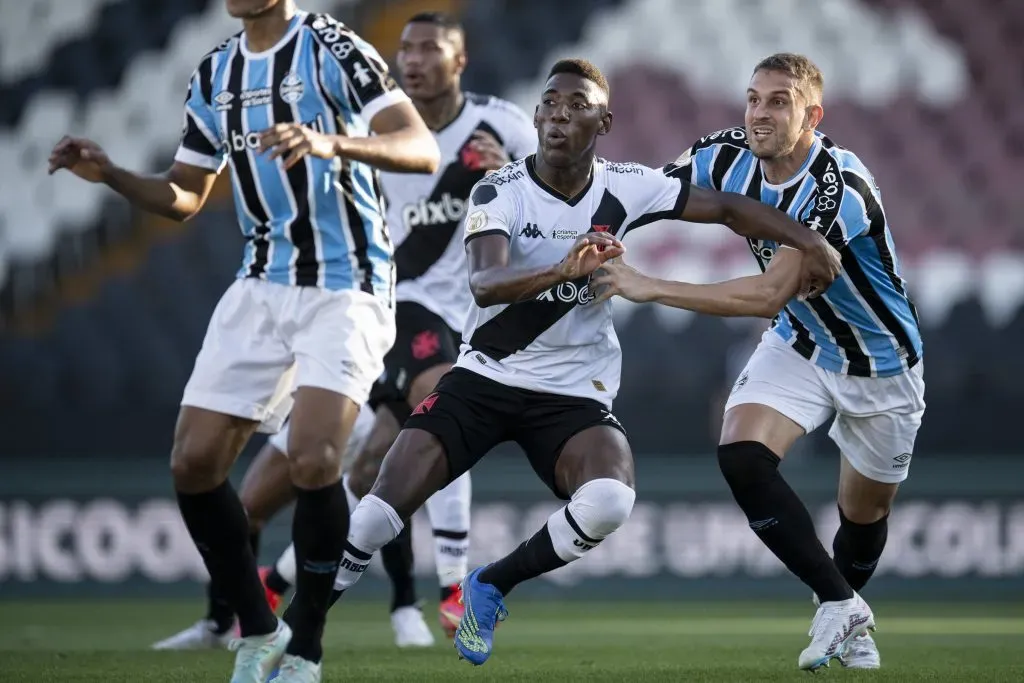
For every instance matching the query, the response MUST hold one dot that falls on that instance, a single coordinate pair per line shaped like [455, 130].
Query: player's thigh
[339, 339]
[244, 368]
[777, 398]
[877, 423]
[267, 486]
[570, 441]
[463, 419]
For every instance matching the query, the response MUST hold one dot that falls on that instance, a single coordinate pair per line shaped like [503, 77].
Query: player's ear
[536, 117]
[813, 116]
[460, 62]
[606, 123]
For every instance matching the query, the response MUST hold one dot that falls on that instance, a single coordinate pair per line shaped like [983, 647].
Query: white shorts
[265, 339]
[877, 418]
[356, 440]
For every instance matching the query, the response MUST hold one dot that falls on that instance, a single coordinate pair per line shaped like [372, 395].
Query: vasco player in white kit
[289, 103]
[538, 364]
[476, 134]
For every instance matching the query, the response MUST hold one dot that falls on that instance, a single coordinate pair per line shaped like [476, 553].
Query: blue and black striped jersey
[865, 324]
[320, 223]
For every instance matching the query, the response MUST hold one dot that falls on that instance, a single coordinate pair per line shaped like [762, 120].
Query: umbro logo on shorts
[901, 461]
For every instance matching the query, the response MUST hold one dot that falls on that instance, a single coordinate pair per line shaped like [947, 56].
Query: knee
[860, 512]
[745, 464]
[314, 460]
[601, 506]
[196, 465]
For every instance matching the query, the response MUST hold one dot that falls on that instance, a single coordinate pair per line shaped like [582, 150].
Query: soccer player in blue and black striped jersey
[854, 351]
[289, 104]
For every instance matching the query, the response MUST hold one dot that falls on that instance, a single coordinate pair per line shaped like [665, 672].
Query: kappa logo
[532, 231]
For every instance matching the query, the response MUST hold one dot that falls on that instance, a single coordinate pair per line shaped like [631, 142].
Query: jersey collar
[571, 201]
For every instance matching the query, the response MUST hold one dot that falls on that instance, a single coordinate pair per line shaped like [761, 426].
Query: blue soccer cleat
[474, 638]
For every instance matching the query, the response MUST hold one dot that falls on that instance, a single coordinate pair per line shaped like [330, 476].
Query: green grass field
[106, 641]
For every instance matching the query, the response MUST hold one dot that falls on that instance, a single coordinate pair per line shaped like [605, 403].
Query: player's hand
[588, 254]
[617, 278]
[84, 158]
[492, 155]
[292, 141]
[821, 265]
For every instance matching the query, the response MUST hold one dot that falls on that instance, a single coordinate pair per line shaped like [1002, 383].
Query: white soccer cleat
[410, 628]
[258, 656]
[861, 653]
[199, 636]
[297, 670]
[835, 624]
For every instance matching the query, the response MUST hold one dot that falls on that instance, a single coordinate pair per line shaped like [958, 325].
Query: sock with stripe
[597, 508]
[319, 529]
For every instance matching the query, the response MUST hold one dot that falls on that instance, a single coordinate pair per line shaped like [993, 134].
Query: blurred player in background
[539, 364]
[475, 134]
[854, 352]
[289, 103]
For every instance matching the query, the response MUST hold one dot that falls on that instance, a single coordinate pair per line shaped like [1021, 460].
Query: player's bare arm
[493, 281]
[755, 220]
[178, 193]
[401, 143]
[760, 296]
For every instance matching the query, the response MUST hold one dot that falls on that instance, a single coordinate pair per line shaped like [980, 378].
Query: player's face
[776, 114]
[250, 9]
[430, 60]
[572, 112]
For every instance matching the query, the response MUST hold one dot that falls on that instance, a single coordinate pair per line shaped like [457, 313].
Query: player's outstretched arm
[493, 281]
[755, 220]
[178, 193]
[401, 143]
[761, 296]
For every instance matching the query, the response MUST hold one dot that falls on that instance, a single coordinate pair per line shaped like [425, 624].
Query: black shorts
[422, 340]
[471, 414]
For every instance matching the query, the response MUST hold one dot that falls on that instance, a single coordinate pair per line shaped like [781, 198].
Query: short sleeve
[489, 212]
[356, 73]
[653, 196]
[845, 207]
[200, 145]
[693, 166]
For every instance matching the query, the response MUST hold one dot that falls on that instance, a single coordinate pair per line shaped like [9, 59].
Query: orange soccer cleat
[273, 599]
[451, 610]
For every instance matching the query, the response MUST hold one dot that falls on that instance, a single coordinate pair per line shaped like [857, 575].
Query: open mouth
[761, 132]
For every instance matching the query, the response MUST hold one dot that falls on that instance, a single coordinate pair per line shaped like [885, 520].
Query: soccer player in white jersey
[854, 352]
[540, 364]
[290, 103]
[476, 134]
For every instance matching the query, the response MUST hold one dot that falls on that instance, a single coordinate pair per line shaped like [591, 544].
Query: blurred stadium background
[103, 308]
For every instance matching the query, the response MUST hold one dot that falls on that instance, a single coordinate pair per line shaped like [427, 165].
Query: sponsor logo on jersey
[447, 209]
[568, 292]
[239, 142]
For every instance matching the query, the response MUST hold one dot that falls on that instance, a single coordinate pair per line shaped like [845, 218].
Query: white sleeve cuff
[379, 104]
[192, 158]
